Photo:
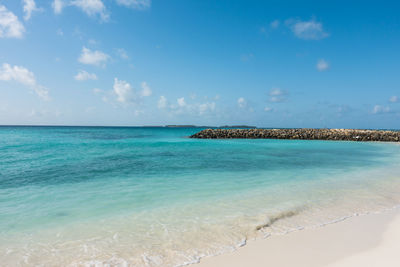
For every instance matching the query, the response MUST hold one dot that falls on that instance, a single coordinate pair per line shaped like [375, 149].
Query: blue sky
[139, 62]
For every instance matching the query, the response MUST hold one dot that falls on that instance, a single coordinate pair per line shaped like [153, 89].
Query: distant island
[198, 126]
[182, 126]
[301, 134]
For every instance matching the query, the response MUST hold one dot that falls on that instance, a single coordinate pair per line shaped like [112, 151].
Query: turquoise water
[153, 197]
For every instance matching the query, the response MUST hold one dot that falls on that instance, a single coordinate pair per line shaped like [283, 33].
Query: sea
[152, 196]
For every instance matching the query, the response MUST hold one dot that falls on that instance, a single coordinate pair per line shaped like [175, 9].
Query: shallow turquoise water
[153, 196]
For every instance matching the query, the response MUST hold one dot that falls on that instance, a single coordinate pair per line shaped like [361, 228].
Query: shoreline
[344, 242]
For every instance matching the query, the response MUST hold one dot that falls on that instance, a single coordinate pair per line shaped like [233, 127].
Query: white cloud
[97, 7]
[322, 65]
[181, 102]
[10, 26]
[24, 76]
[394, 99]
[58, 6]
[146, 90]
[92, 8]
[242, 103]
[378, 109]
[125, 93]
[84, 75]
[135, 4]
[277, 95]
[123, 90]
[162, 102]
[90, 57]
[29, 8]
[274, 24]
[17, 73]
[307, 30]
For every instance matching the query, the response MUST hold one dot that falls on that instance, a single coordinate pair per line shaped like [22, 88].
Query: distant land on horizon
[195, 126]
[140, 126]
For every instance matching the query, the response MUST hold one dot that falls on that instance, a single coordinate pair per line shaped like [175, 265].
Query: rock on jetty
[301, 134]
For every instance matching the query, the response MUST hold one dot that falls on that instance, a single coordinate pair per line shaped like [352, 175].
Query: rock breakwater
[301, 134]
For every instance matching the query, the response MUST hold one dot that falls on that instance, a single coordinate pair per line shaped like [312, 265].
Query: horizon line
[184, 126]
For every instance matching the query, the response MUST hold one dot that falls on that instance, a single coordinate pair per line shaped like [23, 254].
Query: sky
[332, 64]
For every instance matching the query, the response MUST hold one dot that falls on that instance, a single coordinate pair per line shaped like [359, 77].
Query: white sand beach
[371, 240]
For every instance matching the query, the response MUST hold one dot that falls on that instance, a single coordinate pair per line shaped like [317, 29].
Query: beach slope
[368, 240]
